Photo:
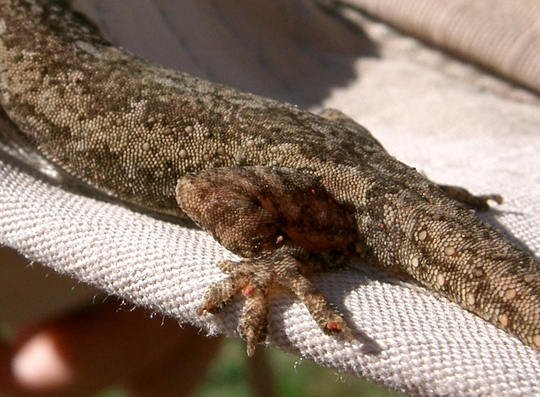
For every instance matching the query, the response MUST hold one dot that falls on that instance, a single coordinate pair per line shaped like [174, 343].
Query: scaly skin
[290, 191]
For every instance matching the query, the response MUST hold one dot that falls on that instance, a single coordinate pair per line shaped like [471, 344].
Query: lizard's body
[286, 189]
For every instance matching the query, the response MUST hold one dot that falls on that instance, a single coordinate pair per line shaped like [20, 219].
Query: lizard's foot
[254, 278]
[464, 196]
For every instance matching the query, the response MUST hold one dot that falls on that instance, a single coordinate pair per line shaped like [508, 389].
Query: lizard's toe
[253, 323]
[322, 311]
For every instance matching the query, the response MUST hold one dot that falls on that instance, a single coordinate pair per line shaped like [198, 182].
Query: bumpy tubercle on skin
[296, 190]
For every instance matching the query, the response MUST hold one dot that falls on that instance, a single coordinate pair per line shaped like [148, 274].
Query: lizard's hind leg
[280, 221]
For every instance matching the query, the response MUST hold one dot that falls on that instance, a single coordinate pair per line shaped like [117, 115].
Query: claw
[332, 326]
[247, 290]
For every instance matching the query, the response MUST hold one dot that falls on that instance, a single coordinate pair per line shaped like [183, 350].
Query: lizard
[289, 191]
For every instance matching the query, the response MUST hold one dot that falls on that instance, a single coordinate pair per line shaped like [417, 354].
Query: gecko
[289, 191]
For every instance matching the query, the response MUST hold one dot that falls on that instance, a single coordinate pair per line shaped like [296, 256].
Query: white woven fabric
[456, 132]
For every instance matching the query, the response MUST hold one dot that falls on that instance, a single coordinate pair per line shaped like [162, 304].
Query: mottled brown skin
[289, 191]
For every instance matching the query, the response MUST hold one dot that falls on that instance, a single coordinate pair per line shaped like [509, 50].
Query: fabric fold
[498, 35]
